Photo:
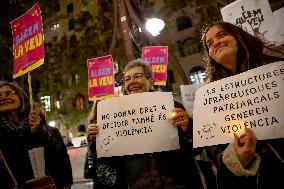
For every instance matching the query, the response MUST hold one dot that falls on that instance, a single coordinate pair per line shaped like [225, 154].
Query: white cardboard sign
[253, 99]
[279, 16]
[254, 16]
[188, 95]
[136, 124]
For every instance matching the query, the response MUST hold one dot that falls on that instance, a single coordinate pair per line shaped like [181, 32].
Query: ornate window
[71, 24]
[197, 75]
[183, 22]
[70, 8]
[188, 46]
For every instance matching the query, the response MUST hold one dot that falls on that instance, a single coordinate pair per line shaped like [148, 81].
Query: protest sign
[100, 78]
[253, 99]
[28, 45]
[136, 124]
[255, 17]
[188, 95]
[157, 57]
[278, 16]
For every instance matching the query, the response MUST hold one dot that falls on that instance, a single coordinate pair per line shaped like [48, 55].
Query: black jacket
[58, 164]
[15, 142]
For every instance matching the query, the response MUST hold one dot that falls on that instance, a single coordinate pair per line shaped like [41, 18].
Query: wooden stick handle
[30, 91]
[8, 168]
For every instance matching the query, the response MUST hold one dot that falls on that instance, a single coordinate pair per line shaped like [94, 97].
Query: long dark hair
[252, 52]
[24, 108]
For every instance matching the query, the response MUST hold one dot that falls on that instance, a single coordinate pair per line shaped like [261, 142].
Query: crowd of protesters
[245, 163]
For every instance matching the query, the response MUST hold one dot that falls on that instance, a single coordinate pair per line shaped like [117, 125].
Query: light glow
[154, 26]
[52, 123]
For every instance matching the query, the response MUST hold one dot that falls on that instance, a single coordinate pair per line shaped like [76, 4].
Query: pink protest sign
[28, 45]
[100, 78]
[157, 57]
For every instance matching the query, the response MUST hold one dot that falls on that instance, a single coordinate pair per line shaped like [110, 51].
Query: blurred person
[67, 141]
[169, 169]
[83, 142]
[21, 130]
[245, 163]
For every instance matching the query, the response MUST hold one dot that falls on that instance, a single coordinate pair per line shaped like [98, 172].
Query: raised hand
[34, 121]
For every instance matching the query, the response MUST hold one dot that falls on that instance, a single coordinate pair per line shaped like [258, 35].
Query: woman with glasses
[21, 130]
[161, 170]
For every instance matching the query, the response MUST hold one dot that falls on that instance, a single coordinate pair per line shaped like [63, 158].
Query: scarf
[10, 130]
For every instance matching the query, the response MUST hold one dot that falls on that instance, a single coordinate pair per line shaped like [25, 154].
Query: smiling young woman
[228, 50]
[223, 47]
[245, 163]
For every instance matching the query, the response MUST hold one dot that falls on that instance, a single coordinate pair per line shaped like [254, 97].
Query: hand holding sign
[180, 118]
[245, 146]
[34, 120]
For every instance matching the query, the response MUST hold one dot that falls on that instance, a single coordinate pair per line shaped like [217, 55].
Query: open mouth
[134, 89]
[4, 103]
[219, 49]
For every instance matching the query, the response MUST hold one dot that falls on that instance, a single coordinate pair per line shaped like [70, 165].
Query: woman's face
[135, 81]
[9, 100]
[222, 46]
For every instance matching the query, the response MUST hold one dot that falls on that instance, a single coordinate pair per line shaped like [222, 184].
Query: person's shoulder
[53, 128]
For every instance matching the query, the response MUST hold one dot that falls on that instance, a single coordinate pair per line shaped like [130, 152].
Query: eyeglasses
[7, 94]
[135, 77]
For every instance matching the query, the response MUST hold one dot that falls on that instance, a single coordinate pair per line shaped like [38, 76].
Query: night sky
[8, 12]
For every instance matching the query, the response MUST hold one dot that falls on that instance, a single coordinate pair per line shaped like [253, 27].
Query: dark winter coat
[270, 173]
[16, 140]
[58, 164]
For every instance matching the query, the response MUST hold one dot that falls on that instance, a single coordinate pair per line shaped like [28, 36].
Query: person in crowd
[67, 141]
[21, 130]
[171, 169]
[58, 165]
[245, 163]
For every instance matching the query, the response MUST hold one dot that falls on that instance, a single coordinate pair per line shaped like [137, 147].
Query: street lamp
[52, 123]
[154, 26]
